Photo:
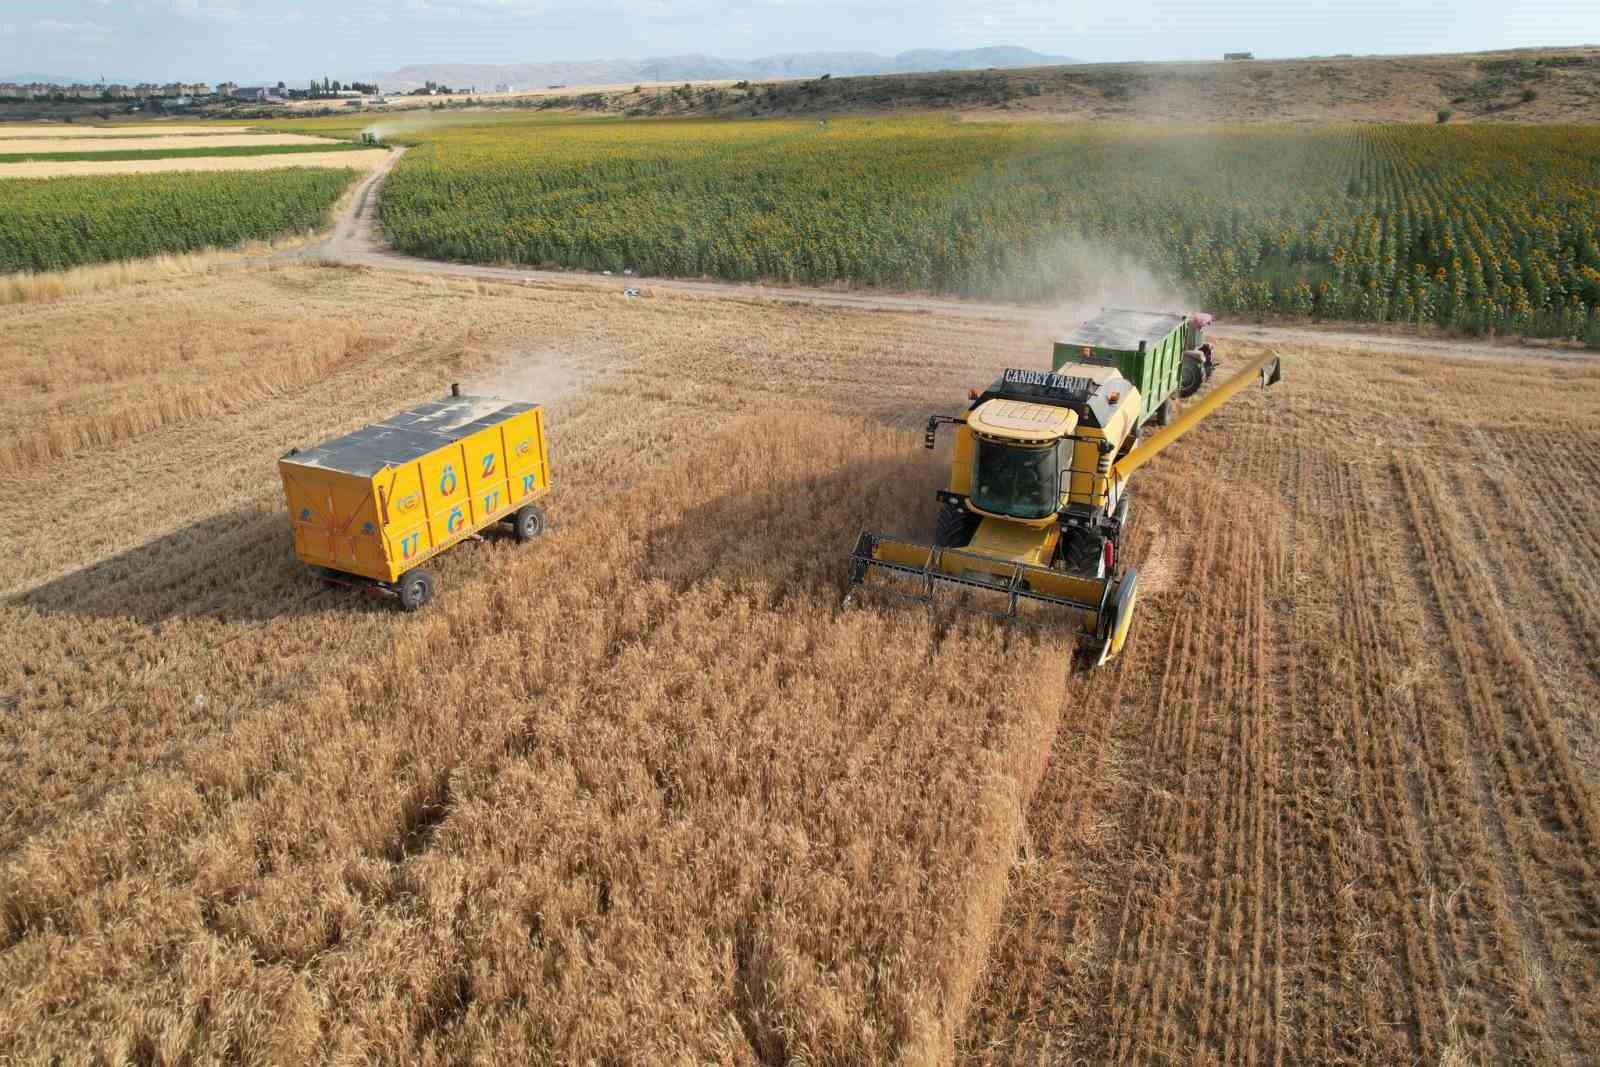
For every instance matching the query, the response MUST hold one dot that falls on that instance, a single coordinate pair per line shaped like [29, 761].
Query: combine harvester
[1038, 495]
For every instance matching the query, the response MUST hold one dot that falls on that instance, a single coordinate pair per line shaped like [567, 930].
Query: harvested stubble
[345, 158]
[183, 143]
[142, 131]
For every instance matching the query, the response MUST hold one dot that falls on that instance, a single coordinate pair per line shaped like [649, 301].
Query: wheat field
[642, 792]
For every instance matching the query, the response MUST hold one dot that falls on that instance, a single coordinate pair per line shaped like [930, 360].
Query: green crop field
[179, 153]
[52, 223]
[1476, 228]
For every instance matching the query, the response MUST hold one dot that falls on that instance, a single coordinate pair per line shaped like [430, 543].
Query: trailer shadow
[235, 566]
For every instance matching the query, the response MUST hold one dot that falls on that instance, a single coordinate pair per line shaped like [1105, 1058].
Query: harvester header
[1038, 496]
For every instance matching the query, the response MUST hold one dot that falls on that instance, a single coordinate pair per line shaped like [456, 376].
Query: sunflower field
[1480, 228]
[53, 223]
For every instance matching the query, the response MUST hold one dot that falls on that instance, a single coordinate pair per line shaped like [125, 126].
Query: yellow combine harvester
[1038, 495]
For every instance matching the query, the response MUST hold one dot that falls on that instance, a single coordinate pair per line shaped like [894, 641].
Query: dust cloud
[1091, 276]
[385, 129]
[532, 377]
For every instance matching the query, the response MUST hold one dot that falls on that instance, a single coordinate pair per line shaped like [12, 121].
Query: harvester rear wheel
[528, 522]
[415, 589]
[955, 527]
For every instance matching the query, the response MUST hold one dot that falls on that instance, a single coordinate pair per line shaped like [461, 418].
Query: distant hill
[692, 68]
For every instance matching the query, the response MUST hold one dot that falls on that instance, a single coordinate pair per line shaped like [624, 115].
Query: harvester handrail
[1264, 367]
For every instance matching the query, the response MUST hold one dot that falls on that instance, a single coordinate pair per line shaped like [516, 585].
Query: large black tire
[1191, 374]
[415, 589]
[1082, 552]
[955, 527]
[528, 522]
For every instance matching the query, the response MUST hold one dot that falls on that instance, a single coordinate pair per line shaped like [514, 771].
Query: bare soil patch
[355, 160]
[186, 141]
[59, 131]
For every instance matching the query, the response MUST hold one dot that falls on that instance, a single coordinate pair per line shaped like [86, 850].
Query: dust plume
[532, 377]
[403, 125]
[1088, 276]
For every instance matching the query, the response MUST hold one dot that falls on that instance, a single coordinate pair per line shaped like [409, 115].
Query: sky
[293, 40]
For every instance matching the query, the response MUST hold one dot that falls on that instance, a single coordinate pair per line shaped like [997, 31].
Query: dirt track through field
[1337, 803]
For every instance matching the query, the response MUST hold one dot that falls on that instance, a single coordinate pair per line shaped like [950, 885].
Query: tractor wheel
[528, 522]
[1191, 374]
[1083, 554]
[415, 589]
[955, 528]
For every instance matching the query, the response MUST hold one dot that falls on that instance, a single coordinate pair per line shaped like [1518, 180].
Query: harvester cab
[1038, 491]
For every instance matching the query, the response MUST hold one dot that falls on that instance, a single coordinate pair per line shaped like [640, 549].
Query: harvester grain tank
[1038, 491]
[369, 508]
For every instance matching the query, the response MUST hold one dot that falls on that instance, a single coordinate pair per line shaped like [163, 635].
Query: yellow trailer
[371, 507]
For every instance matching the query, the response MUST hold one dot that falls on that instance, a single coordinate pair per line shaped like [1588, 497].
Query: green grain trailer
[1161, 353]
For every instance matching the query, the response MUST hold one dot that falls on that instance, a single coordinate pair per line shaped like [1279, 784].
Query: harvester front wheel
[1127, 596]
[528, 522]
[1083, 553]
[955, 526]
[415, 589]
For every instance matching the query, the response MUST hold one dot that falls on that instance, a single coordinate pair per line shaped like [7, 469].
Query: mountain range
[688, 68]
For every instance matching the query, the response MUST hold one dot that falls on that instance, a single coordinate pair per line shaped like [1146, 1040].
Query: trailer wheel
[1191, 374]
[415, 589]
[528, 522]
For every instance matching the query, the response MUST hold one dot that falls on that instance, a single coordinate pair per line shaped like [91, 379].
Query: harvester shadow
[235, 566]
[793, 535]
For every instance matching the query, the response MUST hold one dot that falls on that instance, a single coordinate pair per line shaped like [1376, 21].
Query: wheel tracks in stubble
[1507, 719]
[1148, 924]
[1394, 810]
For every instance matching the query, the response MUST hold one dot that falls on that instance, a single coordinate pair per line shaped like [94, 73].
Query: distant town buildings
[1238, 55]
[147, 91]
[184, 94]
